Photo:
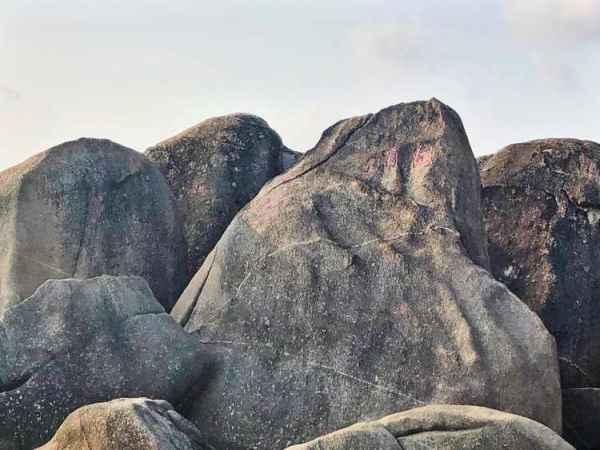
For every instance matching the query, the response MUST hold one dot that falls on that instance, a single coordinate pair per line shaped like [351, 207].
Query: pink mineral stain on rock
[423, 158]
[391, 159]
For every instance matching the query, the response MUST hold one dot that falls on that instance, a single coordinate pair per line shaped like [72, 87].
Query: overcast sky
[139, 71]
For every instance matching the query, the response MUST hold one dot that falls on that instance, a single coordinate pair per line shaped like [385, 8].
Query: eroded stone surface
[354, 286]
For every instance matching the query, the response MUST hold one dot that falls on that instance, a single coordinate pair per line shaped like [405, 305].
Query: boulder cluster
[384, 291]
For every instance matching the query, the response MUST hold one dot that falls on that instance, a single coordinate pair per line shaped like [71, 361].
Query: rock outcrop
[87, 208]
[542, 211]
[77, 342]
[443, 427]
[355, 285]
[214, 169]
[127, 424]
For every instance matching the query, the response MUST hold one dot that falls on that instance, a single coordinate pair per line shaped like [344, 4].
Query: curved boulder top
[439, 427]
[545, 162]
[85, 208]
[220, 124]
[214, 169]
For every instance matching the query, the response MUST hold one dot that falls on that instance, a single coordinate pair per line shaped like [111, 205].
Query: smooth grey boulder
[354, 286]
[127, 424]
[77, 342]
[443, 427]
[541, 204]
[87, 208]
[214, 169]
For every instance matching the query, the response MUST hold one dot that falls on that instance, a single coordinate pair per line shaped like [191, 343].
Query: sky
[140, 71]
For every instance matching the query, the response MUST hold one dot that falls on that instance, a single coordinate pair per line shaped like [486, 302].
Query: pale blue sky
[138, 71]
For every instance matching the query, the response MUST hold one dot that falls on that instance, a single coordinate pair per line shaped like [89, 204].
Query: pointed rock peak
[418, 151]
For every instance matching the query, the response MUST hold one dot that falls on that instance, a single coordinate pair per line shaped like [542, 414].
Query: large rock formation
[354, 286]
[83, 209]
[443, 427]
[581, 417]
[542, 211]
[79, 342]
[216, 168]
[126, 424]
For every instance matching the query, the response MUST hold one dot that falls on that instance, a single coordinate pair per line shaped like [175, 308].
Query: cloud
[408, 46]
[402, 41]
[8, 94]
[556, 35]
[563, 22]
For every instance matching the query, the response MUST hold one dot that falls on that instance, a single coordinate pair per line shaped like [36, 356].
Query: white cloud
[403, 41]
[555, 21]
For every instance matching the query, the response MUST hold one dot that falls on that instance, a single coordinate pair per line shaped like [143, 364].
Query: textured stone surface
[216, 168]
[83, 209]
[126, 424]
[354, 286]
[542, 210]
[443, 427]
[78, 342]
[581, 417]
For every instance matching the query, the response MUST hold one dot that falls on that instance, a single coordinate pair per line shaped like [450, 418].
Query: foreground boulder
[354, 286]
[581, 421]
[126, 424]
[214, 169]
[542, 210]
[79, 342]
[443, 427]
[83, 209]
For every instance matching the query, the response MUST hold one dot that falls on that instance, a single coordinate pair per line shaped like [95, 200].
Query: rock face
[79, 342]
[581, 419]
[542, 211]
[83, 209]
[216, 168]
[354, 286]
[126, 424]
[443, 427]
